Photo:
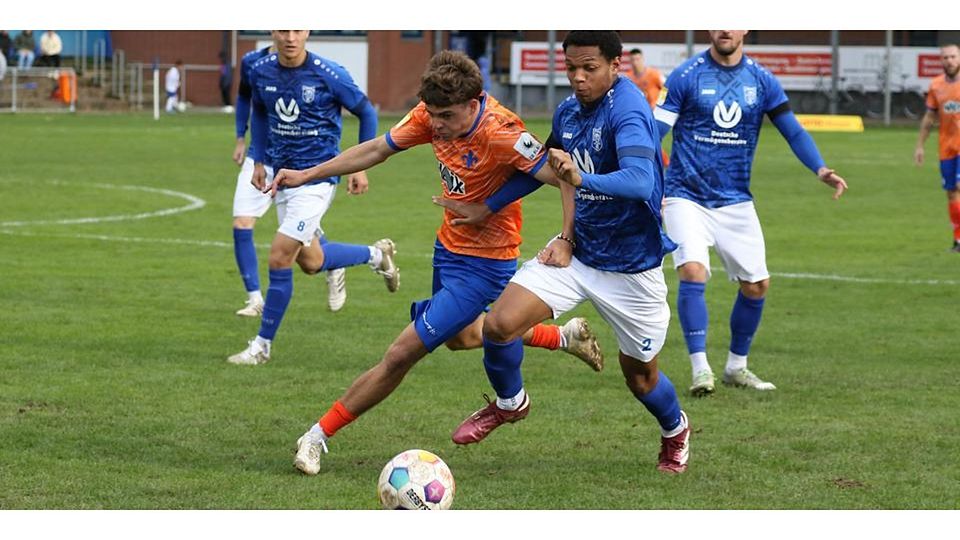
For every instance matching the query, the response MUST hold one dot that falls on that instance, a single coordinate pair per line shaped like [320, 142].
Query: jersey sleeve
[344, 88]
[514, 145]
[671, 97]
[774, 96]
[411, 130]
[632, 128]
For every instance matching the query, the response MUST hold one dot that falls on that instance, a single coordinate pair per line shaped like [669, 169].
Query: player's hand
[563, 166]
[239, 151]
[286, 178]
[259, 177]
[357, 183]
[471, 213]
[829, 177]
[918, 156]
[557, 253]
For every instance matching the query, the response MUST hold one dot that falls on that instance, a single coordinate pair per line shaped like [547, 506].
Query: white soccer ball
[181, 106]
[416, 480]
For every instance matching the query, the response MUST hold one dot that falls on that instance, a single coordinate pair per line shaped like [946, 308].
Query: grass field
[115, 393]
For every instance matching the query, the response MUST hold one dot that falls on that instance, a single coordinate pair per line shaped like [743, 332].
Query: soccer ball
[416, 480]
[181, 106]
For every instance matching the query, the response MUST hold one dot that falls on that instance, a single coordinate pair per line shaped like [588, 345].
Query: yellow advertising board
[831, 122]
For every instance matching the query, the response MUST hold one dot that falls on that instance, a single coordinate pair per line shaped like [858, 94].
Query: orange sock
[954, 208]
[337, 417]
[546, 336]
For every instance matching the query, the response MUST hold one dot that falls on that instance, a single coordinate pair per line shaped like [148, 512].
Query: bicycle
[906, 101]
[850, 98]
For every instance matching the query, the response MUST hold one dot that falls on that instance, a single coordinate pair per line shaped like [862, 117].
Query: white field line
[229, 245]
[194, 203]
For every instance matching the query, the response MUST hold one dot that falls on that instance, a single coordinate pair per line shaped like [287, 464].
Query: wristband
[565, 239]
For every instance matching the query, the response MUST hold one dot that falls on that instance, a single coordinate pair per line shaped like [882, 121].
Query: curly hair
[451, 78]
[607, 40]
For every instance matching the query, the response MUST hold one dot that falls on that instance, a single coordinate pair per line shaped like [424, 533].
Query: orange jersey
[650, 82]
[944, 97]
[472, 168]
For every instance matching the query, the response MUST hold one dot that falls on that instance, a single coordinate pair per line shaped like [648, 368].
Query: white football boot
[253, 355]
[309, 448]
[336, 288]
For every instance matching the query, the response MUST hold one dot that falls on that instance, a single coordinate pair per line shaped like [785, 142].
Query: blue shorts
[948, 173]
[463, 287]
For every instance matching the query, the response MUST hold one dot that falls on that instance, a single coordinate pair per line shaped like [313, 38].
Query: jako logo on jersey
[727, 118]
[951, 107]
[584, 162]
[451, 180]
[308, 93]
[289, 112]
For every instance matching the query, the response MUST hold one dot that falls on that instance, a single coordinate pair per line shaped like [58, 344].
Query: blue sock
[744, 321]
[692, 310]
[278, 298]
[246, 255]
[502, 362]
[343, 255]
[662, 403]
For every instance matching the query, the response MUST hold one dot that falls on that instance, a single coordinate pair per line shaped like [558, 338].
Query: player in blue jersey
[296, 98]
[604, 143]
[248, 203]
[715, 102]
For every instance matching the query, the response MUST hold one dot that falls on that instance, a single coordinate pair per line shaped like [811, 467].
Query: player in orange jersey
[479, 145]
[650, 81]
[943, 104]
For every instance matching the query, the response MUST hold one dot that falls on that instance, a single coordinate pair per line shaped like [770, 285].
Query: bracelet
[565, 239]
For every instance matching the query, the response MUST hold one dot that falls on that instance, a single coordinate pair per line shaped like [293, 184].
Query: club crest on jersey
[527, 146]
[750, 94]
[727, 117]
[451, 181]
[288, 112]
[951, 107]
[597, 138]
[308, 93]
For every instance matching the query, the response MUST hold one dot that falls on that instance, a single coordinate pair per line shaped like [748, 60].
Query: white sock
[263, 343]
[511, 404]
[675, 431]
[698, 362]
[376, 257]
[256, 296]
[316, 432]
[735, 363]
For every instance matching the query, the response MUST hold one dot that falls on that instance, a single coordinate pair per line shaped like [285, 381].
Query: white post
[156, 92]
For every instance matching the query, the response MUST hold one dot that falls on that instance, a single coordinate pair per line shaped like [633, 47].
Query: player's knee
[462, 343]
[755, 290]
[244, 222]
[308, 268]
[499, 329]
[640, 377]
[692, 271]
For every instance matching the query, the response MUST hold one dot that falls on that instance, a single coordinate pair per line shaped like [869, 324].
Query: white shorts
[300, 209]
[634, 305]
[733, 231]
[247, 200]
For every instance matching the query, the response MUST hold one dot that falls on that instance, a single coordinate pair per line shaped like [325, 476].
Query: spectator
[226, 81]
[6, 45]
[50, 48]
[25, 45]
[3, 66]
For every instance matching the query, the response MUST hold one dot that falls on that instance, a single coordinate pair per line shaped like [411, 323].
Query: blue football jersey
[716, 113]
[303, 107]
[614, 234]
[243, 93]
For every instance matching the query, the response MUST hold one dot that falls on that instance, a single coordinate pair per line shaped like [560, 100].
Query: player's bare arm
[259, 177]
[353, 160]
[926, 124]
[559, 251]
[357, 183]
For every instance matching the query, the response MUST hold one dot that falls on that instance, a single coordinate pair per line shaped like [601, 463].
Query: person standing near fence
[172, 85]
[943, 104]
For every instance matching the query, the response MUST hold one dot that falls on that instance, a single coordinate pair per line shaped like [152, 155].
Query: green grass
[114, 392]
